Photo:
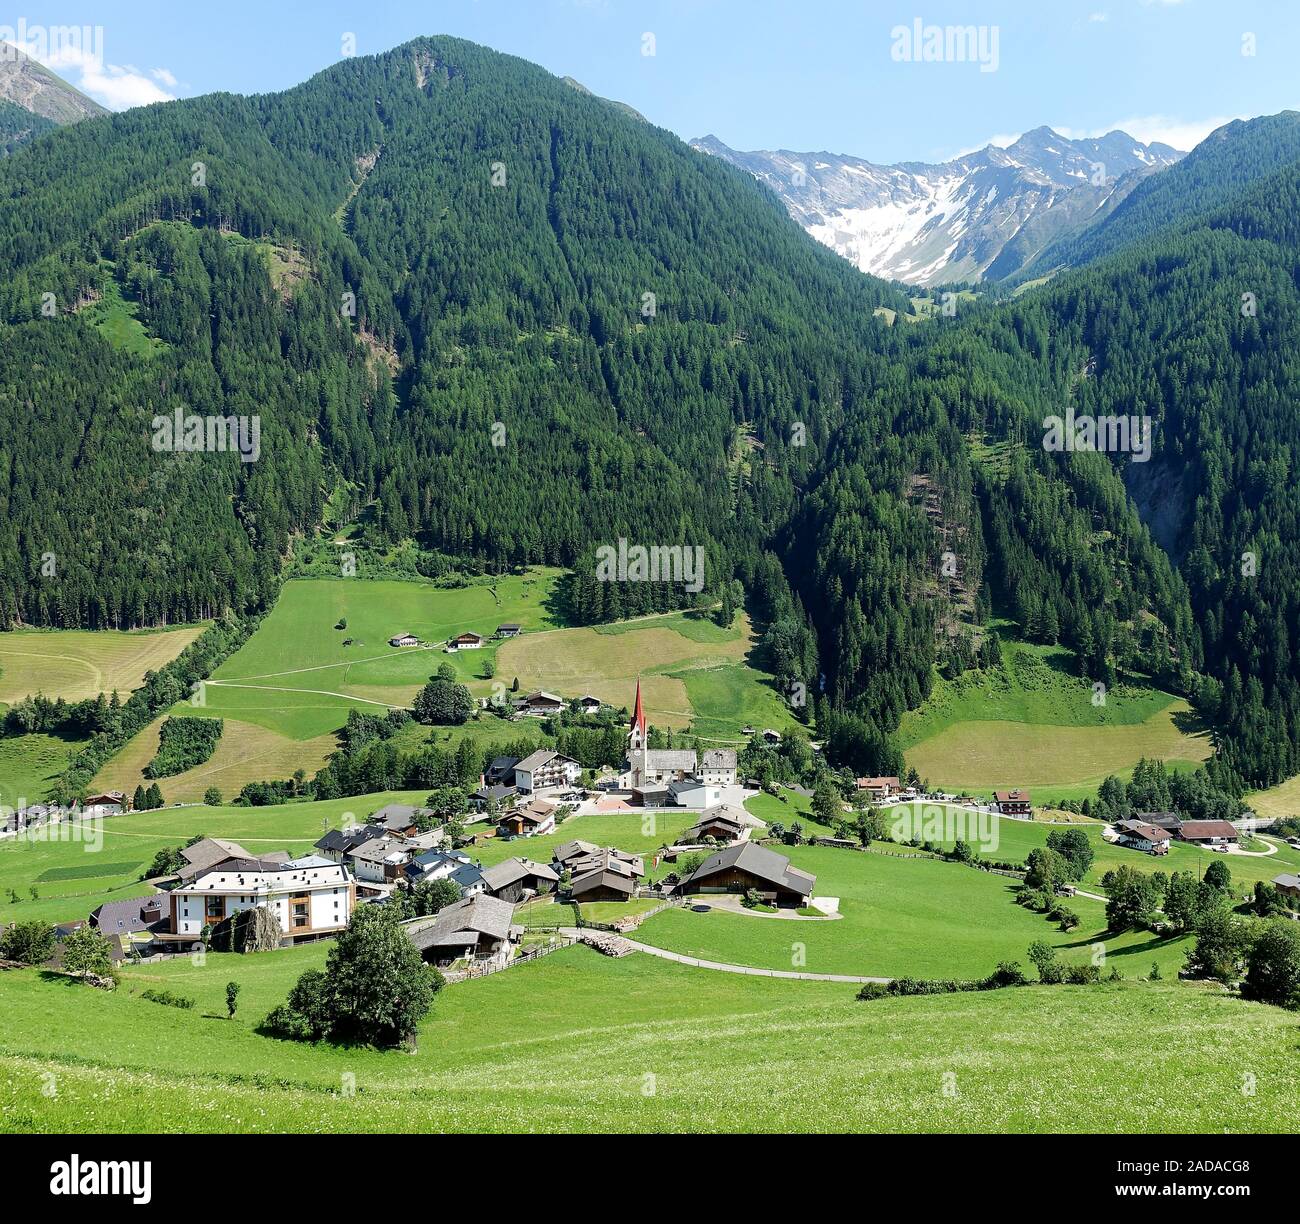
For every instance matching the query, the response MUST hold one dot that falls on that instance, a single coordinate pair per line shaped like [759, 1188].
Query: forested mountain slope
[1229, 160]
[514, 322]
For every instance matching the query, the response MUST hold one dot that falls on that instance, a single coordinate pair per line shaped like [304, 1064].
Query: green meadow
[296, 677]
[1033, 722]
[578, 1042]
[1016, 838]
[903, 916]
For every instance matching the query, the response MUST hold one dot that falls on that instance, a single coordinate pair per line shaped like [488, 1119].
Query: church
[671, 776]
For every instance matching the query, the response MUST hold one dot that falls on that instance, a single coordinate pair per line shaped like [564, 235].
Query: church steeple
[637, 734]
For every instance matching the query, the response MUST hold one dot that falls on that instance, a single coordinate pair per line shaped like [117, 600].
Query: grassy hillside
[922, 917]
[694, 674]
[1012, 840]
[29, 764]
[577, 1041]
[76, 663]
[1034, 722]
[296, 677]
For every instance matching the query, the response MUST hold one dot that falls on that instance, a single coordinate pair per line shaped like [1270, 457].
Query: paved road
[748, 970]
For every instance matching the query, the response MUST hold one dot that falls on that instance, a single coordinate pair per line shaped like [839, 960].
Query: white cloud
[117, 86]
[1184, 134]
[1098, 17]
[1002, 140]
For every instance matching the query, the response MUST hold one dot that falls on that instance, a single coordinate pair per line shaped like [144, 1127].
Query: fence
[486, 968]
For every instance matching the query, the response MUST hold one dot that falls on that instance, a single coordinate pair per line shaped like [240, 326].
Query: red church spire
[638, 713]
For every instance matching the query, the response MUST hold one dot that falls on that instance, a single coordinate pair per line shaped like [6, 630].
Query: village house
[518, 878]
[718, 767]
[612, 882]
[1171, 822]
[502, 796]
[748, 865]
[132, 924]
[209, 850]
[310, 897]
[465, 641]
[1138, 835]
[400, 818]
[451, 865]
[1289, 885]
[479, 929]
[587, 704]
[109, 803]
[539, 705]
[1208, 833]
[404, 639]
[337, 844]
[509, 631]
[380, 860]
[1013, 802]
[530, 820]
[879, 789]
[724, 821]
[500, 771]
[591, 864]
[546, 769]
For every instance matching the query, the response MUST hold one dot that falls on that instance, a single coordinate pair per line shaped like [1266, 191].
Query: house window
[215, 907]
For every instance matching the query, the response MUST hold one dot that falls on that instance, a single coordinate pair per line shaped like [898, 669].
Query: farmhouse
[1289, 885]
[747, 865]
[1138, 835]
[399, 818]
[544, 770]
[879, 788]
[588, 704]
[501, 795]
[1013, 802]
[518, 878]
[509, 631]
[1171, 822]
[110, 803]
[718, 767]
[539, 705]
[465, 641]
[530, 820]
[404, 639]
[609, 883]
[582, 858]
[309, 896]
[479, 929]
[451, 865]
[336, 845]
[724, 821]
[1208, 833]
[501, 771]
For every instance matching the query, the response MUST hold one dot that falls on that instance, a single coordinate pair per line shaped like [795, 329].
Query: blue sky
[756, 73]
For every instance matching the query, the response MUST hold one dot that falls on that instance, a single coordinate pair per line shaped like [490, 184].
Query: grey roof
[463, 921]
[467, 876]
[344, 840]
[206, 853]
[396, 816]
[760, 862]
[720, 758]
[502, 875]
[539, 758]
[602, 878]
[670, 758]
[498, 792]
[573, 849]
[377, 850]
[126, 917]
[1287, 880]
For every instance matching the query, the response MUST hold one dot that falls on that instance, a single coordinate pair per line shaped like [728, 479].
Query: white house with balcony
[309, 896]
